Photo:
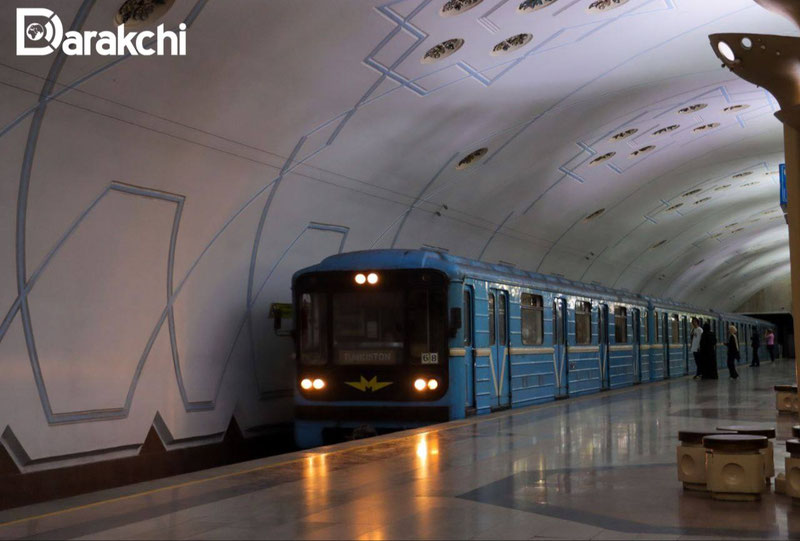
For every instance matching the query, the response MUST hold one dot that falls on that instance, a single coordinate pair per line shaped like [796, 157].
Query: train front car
[372, 332]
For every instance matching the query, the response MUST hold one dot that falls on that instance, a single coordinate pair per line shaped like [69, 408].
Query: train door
[663, 345]
[686, 344]
[469, 347]
[602, 338]
[499, 358]
[636, 328]
[559, 347]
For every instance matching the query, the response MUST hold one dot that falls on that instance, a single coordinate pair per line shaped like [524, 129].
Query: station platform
[599, 467]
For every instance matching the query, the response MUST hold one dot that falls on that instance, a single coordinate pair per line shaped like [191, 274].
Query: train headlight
[372, 278]
[420, 384]
[361, 279]
[306, 384]
[318, 384]
[433, 384]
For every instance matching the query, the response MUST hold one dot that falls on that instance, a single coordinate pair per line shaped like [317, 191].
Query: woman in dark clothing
[733, 351]
[708, 353]
[755, 343]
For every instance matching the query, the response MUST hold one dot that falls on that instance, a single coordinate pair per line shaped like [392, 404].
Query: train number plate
[430, 358]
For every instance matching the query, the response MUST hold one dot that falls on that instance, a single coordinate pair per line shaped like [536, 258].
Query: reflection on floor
[601, 467]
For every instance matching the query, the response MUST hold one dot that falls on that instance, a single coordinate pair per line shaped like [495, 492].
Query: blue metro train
[389, 339]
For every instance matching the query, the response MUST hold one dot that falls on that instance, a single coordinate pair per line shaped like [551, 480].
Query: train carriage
[390, 339]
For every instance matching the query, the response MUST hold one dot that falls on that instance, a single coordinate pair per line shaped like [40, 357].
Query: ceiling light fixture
[442, 50]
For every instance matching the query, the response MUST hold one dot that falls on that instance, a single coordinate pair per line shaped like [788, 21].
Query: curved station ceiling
[149, 204]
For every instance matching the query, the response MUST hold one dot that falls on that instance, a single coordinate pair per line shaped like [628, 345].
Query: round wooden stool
[786, 398]
[735, 466]
[692, 458]
[769, 452]
[793, 469]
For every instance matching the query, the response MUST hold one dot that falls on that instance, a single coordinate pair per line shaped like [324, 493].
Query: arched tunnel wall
[153, 208]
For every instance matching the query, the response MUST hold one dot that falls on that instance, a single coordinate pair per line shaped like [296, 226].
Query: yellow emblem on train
[372, 385]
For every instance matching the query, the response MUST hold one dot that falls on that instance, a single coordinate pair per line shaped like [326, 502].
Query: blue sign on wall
[784, 196]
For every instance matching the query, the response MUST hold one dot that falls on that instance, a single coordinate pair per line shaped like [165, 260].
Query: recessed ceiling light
[734, 224]
[659, 244]
[532, 5]
[736, 108]
[706, 127]
[511, 44]
[692, 192]
[600, 6]
[624, 134]
[692, 108]
[701, 201]
[134, 13]
[442, 50]
[674, 207]
[600, 159]
[726, 51]
[643, 150]
[748, 184]
[666, 130]
[457, 7]
[594, 215]
[471, 158]
[742, 175]
[723, 187]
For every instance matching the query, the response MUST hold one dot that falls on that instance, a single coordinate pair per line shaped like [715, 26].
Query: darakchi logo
[40, 32]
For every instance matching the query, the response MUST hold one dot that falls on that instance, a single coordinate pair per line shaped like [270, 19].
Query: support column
[791, 142]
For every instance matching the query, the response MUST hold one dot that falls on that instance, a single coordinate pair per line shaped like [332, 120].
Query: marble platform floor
[598, 467]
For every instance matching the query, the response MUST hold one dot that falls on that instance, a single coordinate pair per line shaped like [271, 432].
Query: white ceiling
[289, 113]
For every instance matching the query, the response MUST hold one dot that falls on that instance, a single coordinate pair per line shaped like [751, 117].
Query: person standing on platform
[733, 351]
[771, 344]
[697, 333]
[708, 353]
[755, 343]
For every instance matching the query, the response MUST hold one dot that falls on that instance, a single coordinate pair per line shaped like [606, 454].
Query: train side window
[583, 322]
[313, 325]
[621, 325]
[467, 325]
[491, 320]
[532, 319]
[646, 327]
[675, 321]
[502, 326]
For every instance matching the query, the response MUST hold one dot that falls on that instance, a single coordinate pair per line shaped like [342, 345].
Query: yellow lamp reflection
[317, 491]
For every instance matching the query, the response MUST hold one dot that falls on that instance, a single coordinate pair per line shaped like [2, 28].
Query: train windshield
[372, 327]
[368, 327]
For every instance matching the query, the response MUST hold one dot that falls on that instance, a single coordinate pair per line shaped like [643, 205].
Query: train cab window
[675, 323]
[583, 322]
[467, 318]
[492, 337]
[532, 310]
[313, 317]
[621, 325]
[502, 326]
[426, 325]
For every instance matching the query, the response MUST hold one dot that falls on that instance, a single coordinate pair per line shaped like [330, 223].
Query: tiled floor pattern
[599, 467]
